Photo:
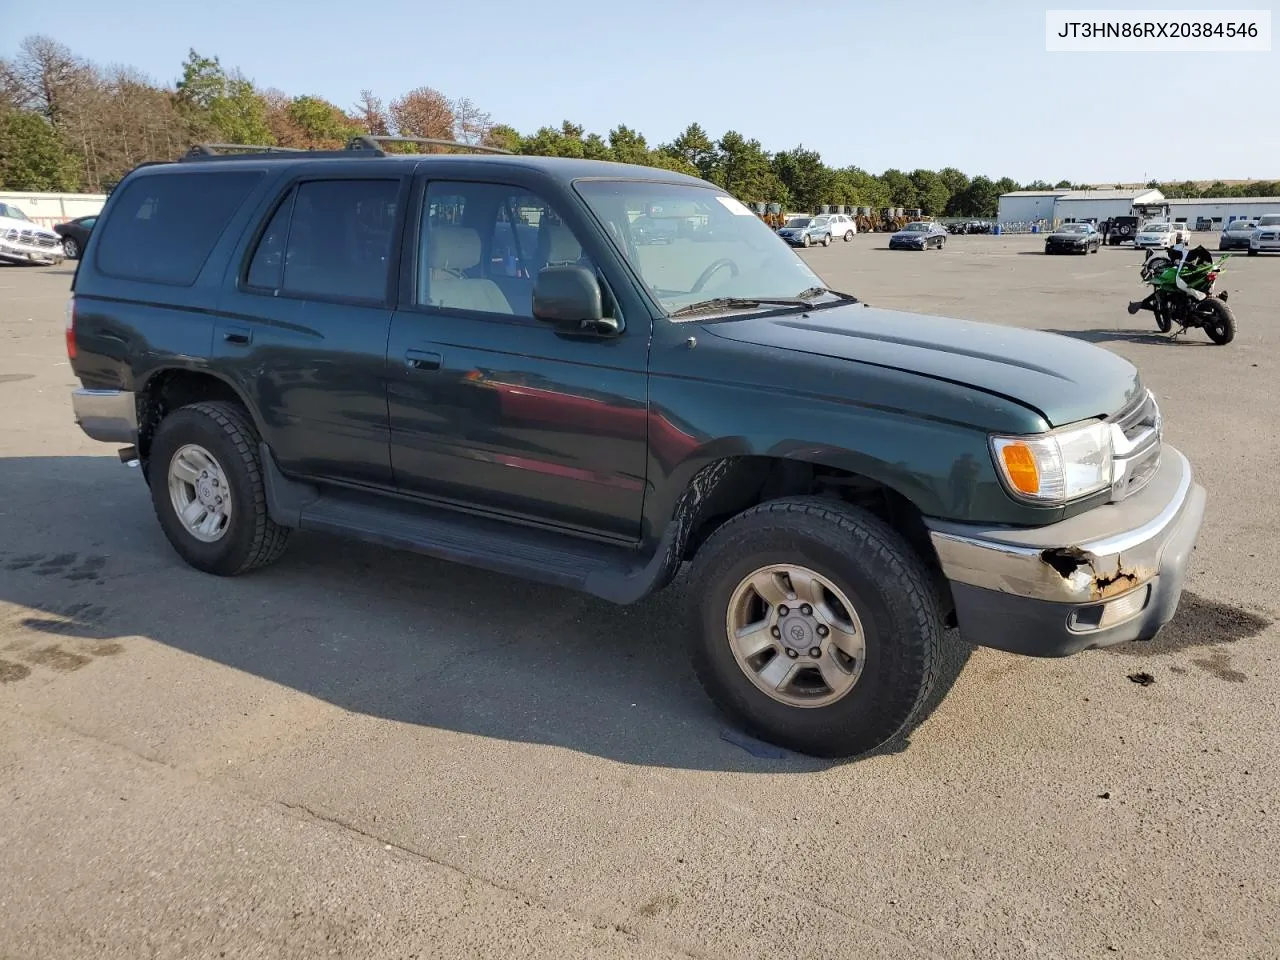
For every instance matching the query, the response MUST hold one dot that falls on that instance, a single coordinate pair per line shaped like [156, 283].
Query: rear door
[303, 329]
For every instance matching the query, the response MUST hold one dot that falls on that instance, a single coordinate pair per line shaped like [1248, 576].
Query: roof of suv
[560, 168]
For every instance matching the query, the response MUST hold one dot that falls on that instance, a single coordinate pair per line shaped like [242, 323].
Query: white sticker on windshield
[735, 207]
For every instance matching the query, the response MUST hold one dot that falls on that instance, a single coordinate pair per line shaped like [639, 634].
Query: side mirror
[569, 296]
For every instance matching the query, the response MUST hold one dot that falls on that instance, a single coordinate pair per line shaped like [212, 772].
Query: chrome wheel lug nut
[815, 652]
[776, 632]
[783, 611]
[822, 630]
[807, 610]
[792, 653]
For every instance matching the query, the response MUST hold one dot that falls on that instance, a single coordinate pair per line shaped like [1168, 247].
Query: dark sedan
[75, 234]
[1074, 238]
[920, 235]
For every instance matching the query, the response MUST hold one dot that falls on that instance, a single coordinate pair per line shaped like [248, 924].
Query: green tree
[981, 199]
[504, 137]
[627, 146]
[322, 123]
[240, 116]
[33, 157]
[931, 192]
[902, 192]
[954, 180]
[1063, 185]
[1039, 185]
[695, 148]
[743, 169]
[807, 180]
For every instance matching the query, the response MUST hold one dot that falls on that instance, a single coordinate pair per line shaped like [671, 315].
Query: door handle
[422, 360]
[237, 335]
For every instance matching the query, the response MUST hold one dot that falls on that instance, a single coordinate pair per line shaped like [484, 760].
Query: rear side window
[163, 228]
[329, 239]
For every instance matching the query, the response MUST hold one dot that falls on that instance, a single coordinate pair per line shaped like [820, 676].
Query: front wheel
[807, 241]
[1219, 322]
[848, 236]
[819, 628]
[208, 492]
[826, 241]
[1253, 252]
[71, 248]
[1162, 320]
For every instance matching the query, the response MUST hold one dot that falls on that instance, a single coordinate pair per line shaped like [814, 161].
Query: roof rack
[370, 142]
[216, 149]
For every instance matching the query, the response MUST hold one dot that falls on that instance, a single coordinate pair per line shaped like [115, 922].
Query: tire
[1253, 252]
[1163, 323]
[1221, 326]
[890, 592]
[806, 240]
[848, 236]
[224, 432]
[71, 248]
[826, 241]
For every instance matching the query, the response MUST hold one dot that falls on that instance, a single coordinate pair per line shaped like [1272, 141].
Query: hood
[909, 235]
[1068, 236]
[1061, 378]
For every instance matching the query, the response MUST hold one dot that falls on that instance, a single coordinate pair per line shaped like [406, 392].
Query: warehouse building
[1055, 206]
[1221, 211]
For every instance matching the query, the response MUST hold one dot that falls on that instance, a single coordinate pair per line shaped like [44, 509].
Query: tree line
[68, 125]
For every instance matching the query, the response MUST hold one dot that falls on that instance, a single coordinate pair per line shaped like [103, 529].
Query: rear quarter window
[163, 228]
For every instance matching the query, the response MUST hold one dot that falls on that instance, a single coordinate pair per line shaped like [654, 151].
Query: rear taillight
[1213, 276]
[71, 327]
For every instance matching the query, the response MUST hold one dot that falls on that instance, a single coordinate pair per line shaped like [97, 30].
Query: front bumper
[1265, 245]
[906, 244]
[1064, 247]
[17, 252]
[1107, 576]
[110, 416]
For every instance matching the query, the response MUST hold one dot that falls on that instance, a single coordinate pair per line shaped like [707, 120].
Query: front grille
[1136, 439]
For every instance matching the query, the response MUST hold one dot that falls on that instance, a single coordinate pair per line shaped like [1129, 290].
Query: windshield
[916, 228]
[1242, 225]
[1270, 220]
[1156, 228]
[1075, 228]
[721, 248]
[799, 222]
[12, 213]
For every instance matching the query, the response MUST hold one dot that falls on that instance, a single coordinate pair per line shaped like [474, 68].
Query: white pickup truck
[22, 241]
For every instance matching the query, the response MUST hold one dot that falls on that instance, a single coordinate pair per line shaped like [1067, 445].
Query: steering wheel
[708, 273]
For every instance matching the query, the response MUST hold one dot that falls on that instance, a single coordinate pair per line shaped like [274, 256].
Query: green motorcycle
[1182, 293]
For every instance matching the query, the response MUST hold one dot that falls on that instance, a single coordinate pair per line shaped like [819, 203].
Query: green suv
[472, 357]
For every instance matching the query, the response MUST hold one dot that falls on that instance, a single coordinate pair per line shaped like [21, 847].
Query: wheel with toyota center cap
[819, 626]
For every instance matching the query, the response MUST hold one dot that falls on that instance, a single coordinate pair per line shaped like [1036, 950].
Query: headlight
[1056, 467]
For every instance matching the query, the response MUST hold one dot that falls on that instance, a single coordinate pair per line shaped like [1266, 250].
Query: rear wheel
[208, 492]
[819, 629]
[71, 248]
[1219, 322]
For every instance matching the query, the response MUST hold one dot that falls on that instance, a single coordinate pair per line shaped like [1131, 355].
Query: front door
[303, 332]
[492, 408]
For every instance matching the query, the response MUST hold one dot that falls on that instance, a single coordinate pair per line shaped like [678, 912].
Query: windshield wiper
[813, 292]
[738, 303]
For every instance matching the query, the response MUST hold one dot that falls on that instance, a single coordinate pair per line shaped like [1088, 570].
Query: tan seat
[451, 251]
[557, 245]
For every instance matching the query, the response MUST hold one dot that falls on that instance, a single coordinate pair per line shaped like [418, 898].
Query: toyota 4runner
[470, 356]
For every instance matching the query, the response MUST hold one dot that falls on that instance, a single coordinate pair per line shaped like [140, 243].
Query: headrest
[452, 248]
[562, 245]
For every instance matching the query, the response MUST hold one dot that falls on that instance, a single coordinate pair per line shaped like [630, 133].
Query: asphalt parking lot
[359, 753]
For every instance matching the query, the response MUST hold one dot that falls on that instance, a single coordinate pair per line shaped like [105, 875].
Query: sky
[876, 83]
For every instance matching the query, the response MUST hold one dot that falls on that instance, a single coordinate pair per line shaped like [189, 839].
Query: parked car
[22, 241]
[806, 231]
[1074, 238]
[324, 342]
[1182, 231]
[1237, 235]
[1157, 234]
[1266, 236]
[75, 234]
[843, 226]
[919, 235]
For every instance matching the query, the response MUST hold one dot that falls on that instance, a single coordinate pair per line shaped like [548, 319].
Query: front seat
[450, 252]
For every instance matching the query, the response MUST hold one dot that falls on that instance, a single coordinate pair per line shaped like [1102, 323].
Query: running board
[612, 573]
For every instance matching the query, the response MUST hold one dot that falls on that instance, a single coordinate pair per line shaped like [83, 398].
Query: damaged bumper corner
[1112, 574]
